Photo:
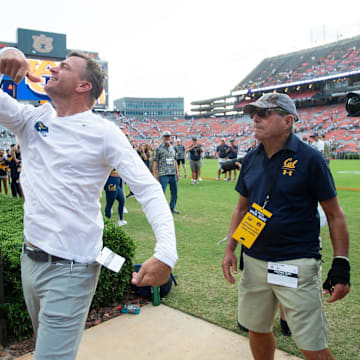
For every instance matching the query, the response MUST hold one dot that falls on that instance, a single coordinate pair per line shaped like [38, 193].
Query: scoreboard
[47, 56]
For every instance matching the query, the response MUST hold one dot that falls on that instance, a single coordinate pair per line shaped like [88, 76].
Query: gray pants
[58, 297]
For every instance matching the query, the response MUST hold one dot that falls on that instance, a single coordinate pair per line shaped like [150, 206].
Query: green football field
[205, 212]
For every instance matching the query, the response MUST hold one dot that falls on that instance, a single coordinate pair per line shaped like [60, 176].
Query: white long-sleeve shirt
[65, 164]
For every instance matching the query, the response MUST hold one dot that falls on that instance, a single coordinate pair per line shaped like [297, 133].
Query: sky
[196, 49]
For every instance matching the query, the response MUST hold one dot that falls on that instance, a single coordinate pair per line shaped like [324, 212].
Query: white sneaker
[193, 182]
[125, 210]
[217, 179]
[200, 179]
[122, 222]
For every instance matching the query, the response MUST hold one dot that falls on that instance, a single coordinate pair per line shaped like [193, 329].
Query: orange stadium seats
[331, 121]
[338, 57]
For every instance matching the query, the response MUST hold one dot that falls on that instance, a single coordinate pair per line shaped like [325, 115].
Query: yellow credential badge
[251, 225]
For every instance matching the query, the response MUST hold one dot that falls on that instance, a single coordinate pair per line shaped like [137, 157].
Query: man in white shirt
[67, 156]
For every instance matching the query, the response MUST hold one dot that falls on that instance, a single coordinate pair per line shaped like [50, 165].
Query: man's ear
[289, 120]
[84, 86]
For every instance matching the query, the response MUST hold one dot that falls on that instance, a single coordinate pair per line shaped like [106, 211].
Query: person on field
[15, 169]
[166, 170]
[4, 165]
[232, 154]
[221, 155]
[180, 155]
[195, 150]
[280, 184]
[113, 191]
[67, 156]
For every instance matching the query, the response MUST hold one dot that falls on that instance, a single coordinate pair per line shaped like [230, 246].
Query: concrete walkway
[162, 333]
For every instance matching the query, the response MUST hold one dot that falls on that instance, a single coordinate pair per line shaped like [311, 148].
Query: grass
[205, 212]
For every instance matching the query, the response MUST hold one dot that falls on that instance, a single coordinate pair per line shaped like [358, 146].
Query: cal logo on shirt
[42, 128]
[289, 166]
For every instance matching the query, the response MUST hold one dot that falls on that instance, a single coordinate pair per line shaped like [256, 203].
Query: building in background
[150, 107]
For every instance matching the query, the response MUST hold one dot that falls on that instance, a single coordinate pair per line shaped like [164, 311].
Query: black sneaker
[243, 328]
[285, 328]
[175, 211]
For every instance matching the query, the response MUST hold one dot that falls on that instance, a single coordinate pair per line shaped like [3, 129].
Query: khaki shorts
[195, 165]
[303, 307]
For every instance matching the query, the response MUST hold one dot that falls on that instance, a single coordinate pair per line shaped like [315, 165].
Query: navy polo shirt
[195, 154]
[233, 153]
[222, 150]
[302, 179]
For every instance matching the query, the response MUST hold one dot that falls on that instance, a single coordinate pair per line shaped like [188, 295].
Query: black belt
[42, 256]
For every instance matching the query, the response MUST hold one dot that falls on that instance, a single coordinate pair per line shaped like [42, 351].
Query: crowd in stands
[334, 58]
[330, 121]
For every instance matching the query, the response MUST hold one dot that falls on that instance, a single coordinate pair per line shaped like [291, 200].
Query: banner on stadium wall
[27, 90]
[41, 43]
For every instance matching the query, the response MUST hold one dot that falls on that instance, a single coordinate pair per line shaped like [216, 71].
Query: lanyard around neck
[275, 177]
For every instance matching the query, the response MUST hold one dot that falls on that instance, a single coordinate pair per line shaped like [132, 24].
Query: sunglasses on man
[265, 112]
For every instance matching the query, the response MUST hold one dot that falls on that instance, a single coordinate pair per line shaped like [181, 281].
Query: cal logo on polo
[41, 128]
[289, 166]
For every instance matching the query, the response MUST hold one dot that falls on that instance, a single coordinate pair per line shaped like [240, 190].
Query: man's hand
[153, 272]
[230, 261]
[337, 283]
[338, 292]
[14, 64]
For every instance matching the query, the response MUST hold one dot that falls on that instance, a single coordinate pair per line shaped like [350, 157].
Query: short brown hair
[94, 74]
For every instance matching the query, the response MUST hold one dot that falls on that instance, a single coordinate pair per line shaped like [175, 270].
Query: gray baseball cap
[166, 133]
[273, 100]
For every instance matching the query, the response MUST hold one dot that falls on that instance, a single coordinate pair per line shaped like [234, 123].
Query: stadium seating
[334, 58]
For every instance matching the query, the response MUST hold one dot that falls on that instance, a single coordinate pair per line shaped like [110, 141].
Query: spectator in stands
[221, 155]
[113, 190]
[281, 182]
[165, 168]
[195, 151]
[63, 225]
[4, 165]
[232, 154]
[180, 155]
